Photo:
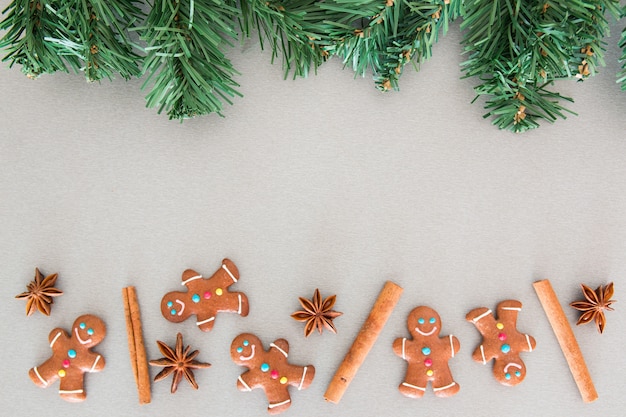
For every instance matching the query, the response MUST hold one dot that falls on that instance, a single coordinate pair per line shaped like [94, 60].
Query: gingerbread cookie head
[427, 355]
[72, 358]
[502, 342]
[205, 297]
[88, 330]
[269, 370]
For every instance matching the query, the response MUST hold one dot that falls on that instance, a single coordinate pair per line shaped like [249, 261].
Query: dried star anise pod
[40, 293]
[178, 361]
[317, 313]
[594, 305]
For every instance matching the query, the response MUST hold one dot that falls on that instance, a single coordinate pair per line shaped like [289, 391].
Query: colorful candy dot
[432, 320]
[173, 311]
[274, 374]
[505, 348]
[239, 349]
[518, 373]
[420, 320]
[283, 380]
[502, 336]
[218, 292]
[507, 375]
[90, 331]
[265, 367]
[207, 295]
[500, 326]
[82, 325]
[195, 298]
[170, 304]
[61, 373]
[246, 343]
[66, 363]
[429, 372]
[426, 350]
[71, 353]
[428, 362]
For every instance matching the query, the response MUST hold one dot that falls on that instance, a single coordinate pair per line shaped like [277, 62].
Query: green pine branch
[97, 34]
[185, 62]
[293, 30]
[30, 24]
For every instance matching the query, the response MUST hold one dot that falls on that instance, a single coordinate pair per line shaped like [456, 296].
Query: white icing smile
[81, 341]
[513, 365]
[434, 329]
[245, 358]
[182, 307]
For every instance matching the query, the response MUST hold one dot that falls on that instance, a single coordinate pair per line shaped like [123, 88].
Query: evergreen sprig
[621, 77]
[185, 62]
[517, 48]
[30, 24]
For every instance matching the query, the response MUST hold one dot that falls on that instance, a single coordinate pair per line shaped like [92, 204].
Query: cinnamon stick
[384, 305]
[567, 340]
[136, 346]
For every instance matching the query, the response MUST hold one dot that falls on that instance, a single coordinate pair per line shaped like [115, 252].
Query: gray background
[322, 182]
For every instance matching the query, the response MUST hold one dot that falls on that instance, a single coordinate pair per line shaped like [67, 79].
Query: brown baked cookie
[72, 357]
[427, 355]
[269, 370]
[502, 341]
[205, 297]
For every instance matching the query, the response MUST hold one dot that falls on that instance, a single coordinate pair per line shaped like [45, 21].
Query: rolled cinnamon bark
[384, 305]
[567, 340]
[136, 347]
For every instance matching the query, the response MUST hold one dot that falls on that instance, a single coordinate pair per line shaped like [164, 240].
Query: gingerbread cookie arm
[243, 382]
[227, 275]
[57, 337]
[455, 345]
[98, 364]
[399, 347]
[282, 346]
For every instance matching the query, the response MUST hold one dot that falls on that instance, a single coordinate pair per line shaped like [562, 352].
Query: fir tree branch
[189, 72]
[29, 25]
[621, 77]
[97, 34]
[292, 28]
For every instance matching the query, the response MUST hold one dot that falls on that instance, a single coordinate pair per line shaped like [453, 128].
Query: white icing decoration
[239, 309]
[191, 279]
[406, 384]
[95, 363]
[278, 404]
[55, 339]
[512, 364]
[205, 321]
[302, 380]
[434, 329]
[43, 381]
[451, 346]
[530, 346]
[245, 358]
[486, 313]
[76, 391]
[482, 352]
[512, 308]
[403, 348]
[444, 388]
[81, 341]
[229, 273]
[279, 349]
[182, 307]
[244, 384]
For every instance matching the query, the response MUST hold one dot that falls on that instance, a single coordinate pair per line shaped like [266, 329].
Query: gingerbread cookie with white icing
[427, 355]
[502, 341]
[205, 297]
[71, 358]
[269, 370]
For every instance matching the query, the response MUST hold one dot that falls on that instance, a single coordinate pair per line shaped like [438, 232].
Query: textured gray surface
[322, 182]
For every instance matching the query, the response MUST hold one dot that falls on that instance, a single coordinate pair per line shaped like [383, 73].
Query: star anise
[179, 362]
[594, 305]
[40, 293]
[317, 313]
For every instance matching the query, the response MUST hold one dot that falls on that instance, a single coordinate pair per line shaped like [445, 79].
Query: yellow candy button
[218, 291]
[500, 326]
[429, 372]
[61, 373]
[283, 380]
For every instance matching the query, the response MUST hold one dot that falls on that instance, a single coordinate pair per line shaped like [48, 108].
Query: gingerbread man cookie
[502, 341]
[72, 357]
[269, 370]
[205, 297]
[427, 355]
